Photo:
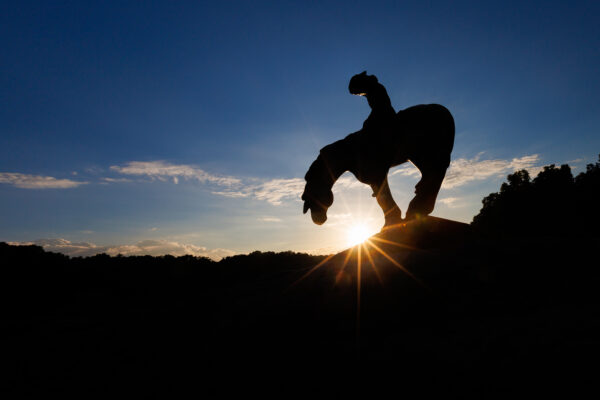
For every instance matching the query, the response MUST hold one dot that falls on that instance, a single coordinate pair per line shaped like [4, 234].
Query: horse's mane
[315, 170]
[340, 153]
[334, 159]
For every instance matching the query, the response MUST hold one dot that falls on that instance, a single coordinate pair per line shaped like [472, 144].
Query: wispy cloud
[450, 202]
[161, 247]
[162, 171]
[322, 250]
[26, 181]
[273, 191]
[464, 170]
[347, 182]
[64, 246]
[231, 193]
[269, 219]
[276, 191]
[115, 180]
[144, 247]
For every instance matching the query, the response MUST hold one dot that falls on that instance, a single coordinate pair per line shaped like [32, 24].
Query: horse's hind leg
[391, 211]
[426, 192]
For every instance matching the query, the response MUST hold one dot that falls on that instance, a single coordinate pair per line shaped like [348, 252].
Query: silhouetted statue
[422, 134]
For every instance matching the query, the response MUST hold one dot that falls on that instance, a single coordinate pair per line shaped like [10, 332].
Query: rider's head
[360, 84]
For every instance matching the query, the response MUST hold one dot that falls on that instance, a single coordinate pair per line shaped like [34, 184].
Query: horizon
[187, 129]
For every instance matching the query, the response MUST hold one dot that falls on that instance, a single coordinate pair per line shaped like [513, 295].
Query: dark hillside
[482, 318]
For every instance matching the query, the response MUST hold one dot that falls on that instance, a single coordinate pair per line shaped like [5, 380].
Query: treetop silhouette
[553, 203]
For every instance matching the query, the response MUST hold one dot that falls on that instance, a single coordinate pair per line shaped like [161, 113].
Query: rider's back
[383, 116]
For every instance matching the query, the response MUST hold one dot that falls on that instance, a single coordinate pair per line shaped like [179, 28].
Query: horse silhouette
[422, 134]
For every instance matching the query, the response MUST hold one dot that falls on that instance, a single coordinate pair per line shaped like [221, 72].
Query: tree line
[554, 203]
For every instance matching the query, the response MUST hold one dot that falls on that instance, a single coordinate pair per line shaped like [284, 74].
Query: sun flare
[357, 234]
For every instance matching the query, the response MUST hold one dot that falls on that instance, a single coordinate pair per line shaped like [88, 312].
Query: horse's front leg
[391, 211]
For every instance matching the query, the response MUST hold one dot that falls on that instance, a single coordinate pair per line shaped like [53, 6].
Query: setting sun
[357, 234]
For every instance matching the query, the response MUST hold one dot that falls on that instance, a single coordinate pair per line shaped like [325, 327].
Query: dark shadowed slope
[438, 311]
[455, 314]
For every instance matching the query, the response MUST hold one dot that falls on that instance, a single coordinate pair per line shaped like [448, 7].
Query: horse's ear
[306, 207]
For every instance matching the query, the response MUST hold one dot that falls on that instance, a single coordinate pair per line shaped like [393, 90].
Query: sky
[187, 127]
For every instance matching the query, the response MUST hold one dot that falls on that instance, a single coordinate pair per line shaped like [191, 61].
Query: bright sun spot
[357, 234]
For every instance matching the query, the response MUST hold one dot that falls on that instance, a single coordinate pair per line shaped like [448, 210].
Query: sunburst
[365, 250]
[365, 247]
[357, 234]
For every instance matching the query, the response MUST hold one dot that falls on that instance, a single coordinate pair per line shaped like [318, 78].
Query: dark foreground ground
[481, 318]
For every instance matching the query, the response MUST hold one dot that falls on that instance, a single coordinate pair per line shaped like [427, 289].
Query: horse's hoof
[393, 224]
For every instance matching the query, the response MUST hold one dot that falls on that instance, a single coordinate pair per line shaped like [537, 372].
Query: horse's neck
[336, 160]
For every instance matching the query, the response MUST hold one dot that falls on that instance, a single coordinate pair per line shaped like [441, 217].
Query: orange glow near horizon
[368, 249]
[364, 252]
[357, 234]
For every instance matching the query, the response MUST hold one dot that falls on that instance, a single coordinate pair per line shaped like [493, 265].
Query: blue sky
[153, 127]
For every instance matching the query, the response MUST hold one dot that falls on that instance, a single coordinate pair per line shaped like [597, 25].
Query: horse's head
[362, 83]
[317, 195]
[317, 199]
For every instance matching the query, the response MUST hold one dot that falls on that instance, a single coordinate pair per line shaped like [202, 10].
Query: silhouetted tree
[552, 204]
[587, 189]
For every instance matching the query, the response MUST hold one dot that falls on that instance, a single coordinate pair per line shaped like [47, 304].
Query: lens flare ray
[396, 263]
[358, 279]
[370, 258]
[397, 244]
[340, 273]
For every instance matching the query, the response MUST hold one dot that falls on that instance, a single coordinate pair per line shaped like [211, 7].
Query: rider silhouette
[383, 116]
[375, 140]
